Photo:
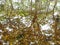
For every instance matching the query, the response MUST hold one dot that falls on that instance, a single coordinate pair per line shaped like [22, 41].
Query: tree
[21, 22]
